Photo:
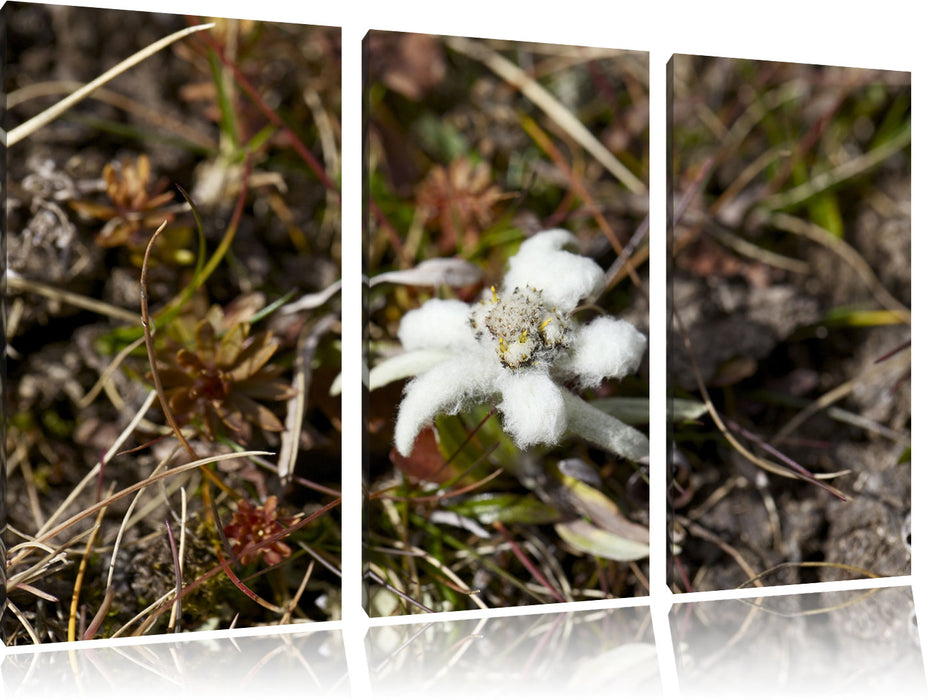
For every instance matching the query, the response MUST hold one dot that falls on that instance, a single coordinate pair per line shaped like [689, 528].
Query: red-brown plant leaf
[266, 390]
[256, 413]
[231, 345]
[187, 360]
[234, 420]
[425, 463]
[205, 343]
[93, 210]
[255, 355]
[159, 200]
[172, 377]
[181, 402]
[243, 308]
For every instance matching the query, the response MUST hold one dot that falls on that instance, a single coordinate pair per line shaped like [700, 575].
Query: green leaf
[598, 508]
[506, 508]
[585, 537]
[604, 430]
[636, 410]
[441, 138]
[858, 318]
[455, 430]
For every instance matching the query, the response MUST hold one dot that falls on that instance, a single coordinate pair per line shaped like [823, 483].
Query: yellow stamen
[523, 337]
[494, 294]
[545, 323]
[503, 347]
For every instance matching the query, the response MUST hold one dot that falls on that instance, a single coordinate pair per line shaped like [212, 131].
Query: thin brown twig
[151, 354]
[151, 350]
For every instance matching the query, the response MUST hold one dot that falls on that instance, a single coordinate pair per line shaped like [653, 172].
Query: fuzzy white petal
[433, 273]
[532, 408]
[607, 432]
[406, 364]
[446, 388]
[563, 277]
[605, 348]
[437, 324]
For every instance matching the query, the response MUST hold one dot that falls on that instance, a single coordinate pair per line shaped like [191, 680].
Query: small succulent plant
[252, 524]
[214, 373]
[460, 200]
[134, 209]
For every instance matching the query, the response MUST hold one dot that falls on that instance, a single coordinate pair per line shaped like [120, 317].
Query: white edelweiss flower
[518, 345]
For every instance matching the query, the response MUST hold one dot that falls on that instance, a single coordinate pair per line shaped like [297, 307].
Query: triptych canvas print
[177, 341]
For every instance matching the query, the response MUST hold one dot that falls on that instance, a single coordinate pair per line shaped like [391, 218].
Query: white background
[895, 35]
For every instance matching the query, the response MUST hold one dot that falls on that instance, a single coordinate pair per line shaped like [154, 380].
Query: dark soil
[768, 338]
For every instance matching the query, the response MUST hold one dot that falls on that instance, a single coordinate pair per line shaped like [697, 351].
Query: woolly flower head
[519, 345]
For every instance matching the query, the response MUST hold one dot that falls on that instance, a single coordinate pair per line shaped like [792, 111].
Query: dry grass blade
[54, 559]
[762, 107]
[144, 613]
[752, 251]
[143, 484]
[395, 590]
[839, 392]
[858, 570]
[764, 464]
[817, 234]
[528, 564]
[59, 108]
[539, 96]
[129, 105]
[23, 621]
[104, 379]
[296, 408]
[845, 171]
[100, 465]
[294, 602]
[705, 534]
[20, 284]
[175, 615]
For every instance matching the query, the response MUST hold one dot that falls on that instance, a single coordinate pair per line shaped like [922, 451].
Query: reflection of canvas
[860, 641]
[791, 293]
[181, 475]
[507, 323]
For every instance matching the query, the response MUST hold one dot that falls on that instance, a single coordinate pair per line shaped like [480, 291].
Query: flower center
[211, 384]
[524, 330]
